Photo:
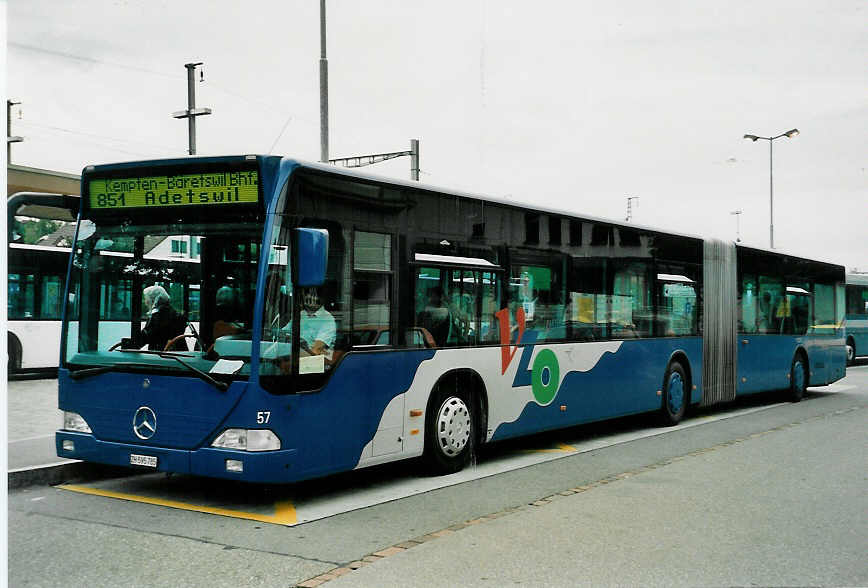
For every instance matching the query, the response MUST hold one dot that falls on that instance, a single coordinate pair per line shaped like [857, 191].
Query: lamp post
[737, 213]
[789, 135]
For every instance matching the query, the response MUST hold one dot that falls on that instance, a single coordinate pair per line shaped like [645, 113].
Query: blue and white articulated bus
[856, 319]
[429, 321]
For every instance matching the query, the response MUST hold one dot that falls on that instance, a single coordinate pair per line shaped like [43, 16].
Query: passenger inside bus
[435, 317]
[226, 313]
[164, 322]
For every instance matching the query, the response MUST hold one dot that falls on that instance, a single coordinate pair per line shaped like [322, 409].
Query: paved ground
[32, 419]
[32, 406]
[785, 507]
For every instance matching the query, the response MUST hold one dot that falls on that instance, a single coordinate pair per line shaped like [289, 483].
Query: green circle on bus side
[544, 378]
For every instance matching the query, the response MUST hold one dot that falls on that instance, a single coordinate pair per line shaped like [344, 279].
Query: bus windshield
[153, 295]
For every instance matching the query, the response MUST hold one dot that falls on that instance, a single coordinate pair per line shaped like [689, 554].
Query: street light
[737, 229]
[789, 135]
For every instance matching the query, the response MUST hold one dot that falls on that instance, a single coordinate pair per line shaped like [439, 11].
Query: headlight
[72, 421]
[247, 440]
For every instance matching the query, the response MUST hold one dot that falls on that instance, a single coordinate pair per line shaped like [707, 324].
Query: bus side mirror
[312, 250]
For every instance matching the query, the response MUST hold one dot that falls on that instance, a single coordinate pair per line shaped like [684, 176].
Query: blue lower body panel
[261, 467]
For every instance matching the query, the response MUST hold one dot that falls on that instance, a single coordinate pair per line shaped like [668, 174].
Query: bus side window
[489, 326]
[22, 297]
[747, 304]
[769, 305]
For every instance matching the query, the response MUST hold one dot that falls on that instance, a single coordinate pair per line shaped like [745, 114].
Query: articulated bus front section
[157, 356]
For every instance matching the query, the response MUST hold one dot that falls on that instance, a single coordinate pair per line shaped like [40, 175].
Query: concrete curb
[56, 473]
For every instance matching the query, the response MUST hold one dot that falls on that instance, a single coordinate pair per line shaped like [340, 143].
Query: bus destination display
[202, 189]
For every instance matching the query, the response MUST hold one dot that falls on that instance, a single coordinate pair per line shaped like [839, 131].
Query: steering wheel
[181, 337]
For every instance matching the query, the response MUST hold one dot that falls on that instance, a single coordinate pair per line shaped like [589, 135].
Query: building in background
[20, 178]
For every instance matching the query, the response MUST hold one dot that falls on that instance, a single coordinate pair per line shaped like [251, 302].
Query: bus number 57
[263, 416]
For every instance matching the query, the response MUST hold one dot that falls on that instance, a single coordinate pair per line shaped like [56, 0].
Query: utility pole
[789, 135]
[737, 214]
[414, 159]
[192, 112]
[323, 86]
[363, 160]
[9, 137]
[630, 200]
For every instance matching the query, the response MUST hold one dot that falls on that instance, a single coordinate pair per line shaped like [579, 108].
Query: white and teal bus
[856, 319]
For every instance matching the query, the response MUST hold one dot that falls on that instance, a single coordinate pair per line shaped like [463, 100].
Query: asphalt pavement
[32, 419]
[774, 497]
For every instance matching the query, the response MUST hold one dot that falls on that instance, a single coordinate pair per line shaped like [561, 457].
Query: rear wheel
[675, 394]
[449, 431]
[798, 378]
[851, 351]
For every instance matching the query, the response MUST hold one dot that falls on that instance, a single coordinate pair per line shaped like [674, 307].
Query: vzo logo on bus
[544, 375]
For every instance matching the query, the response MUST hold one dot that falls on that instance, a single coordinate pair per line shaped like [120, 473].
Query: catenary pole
[192, 112]
[323, 86]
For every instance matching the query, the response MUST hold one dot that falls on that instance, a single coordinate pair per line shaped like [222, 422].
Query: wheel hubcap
[453, 426]
[675, 393]
[851, 353]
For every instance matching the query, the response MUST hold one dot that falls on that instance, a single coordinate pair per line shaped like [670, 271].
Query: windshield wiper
[95, 371]
[222, 386]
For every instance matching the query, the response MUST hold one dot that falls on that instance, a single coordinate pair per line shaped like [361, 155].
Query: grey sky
[574, 105]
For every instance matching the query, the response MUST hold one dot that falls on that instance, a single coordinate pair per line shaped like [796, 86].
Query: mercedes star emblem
[144, 423]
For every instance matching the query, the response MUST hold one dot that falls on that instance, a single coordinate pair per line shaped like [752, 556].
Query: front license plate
[149, 461]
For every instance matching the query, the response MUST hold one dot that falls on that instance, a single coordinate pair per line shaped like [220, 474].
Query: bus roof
[526, 205]
[353, 173]
[857, 278]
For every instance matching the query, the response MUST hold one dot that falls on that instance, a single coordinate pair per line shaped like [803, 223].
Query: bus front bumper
[261, 467]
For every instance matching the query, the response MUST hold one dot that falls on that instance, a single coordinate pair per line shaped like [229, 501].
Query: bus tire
[675, 395]
[798, 378]
[851, 351]
[14, 350]
[450, 429]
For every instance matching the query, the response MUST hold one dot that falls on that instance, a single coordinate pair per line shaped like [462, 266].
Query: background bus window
[824, 309]
[115, 298]
[857, 300]
[799, 308]
[22, 296]
[748, 305]
[771, 305]
[676, 311]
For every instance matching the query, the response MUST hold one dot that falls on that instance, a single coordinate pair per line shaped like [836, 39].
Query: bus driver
[318, 328]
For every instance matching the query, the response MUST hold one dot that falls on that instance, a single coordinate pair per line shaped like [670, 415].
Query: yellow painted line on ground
[284, 511]
[561, 448]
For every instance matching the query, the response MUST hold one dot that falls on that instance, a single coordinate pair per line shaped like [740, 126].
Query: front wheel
[13, 350]
[798, 378]
[675, 395]
[851, 352]
[449, 431]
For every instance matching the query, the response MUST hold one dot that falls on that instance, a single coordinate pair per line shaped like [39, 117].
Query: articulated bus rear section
[291, 320]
